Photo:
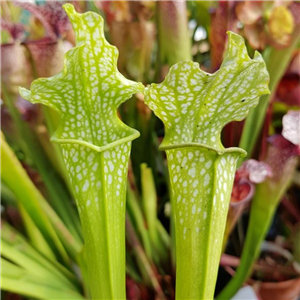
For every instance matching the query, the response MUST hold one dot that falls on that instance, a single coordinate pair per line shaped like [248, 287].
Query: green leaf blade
[17, 280]
[23, 254]
[15, 177]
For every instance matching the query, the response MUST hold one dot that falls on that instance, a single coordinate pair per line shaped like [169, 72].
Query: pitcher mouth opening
[241, 152]
[135, 134]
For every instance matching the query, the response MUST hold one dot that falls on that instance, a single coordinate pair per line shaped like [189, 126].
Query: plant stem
[99, 181]
[200, 205]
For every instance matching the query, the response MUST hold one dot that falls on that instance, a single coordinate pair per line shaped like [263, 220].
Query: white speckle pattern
[197, 113]
[194, 187]
[200, 219]
[100, 196]
[194, 107]
[87, 94]
[89, 89]
[98, 183]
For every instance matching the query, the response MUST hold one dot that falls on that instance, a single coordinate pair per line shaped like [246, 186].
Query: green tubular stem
[276, 62]
[201, 182]
[99, 182]
[173, 238]
[263, 207]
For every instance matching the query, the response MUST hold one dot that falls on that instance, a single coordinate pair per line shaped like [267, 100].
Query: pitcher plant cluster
[95, 145]
[194, 107]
